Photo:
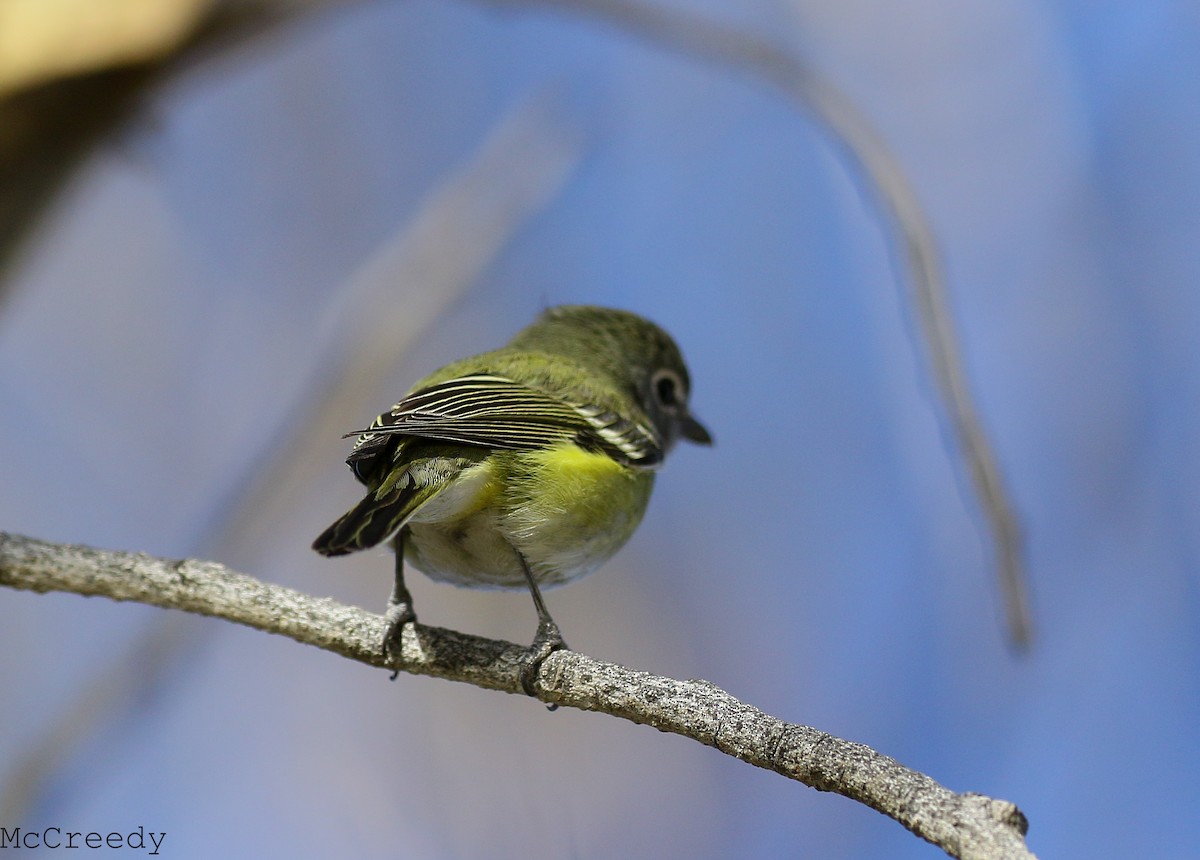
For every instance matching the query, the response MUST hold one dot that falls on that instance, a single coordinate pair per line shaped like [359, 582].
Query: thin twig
[967, 826]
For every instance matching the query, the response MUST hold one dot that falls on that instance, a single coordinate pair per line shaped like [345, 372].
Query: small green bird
[531, 464]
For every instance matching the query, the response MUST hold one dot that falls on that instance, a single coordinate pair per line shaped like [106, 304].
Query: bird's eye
[667, 388]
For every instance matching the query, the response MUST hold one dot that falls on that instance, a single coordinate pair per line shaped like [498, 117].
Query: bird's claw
[396, 617]
[546, 642]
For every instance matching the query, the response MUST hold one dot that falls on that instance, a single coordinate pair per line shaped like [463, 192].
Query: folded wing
[496, 412]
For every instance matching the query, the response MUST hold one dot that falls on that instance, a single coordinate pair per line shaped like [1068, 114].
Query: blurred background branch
[73, 71]
[41, 40]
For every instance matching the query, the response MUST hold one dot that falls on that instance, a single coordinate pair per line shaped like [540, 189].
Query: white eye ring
[668, 390]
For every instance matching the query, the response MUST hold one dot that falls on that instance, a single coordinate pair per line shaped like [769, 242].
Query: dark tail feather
[370, 522]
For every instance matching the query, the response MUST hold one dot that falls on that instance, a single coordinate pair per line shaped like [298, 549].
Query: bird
[523, 467]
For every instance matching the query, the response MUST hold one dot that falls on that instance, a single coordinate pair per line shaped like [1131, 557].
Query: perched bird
[528, 465]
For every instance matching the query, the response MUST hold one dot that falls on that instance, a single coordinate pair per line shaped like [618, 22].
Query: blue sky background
[182, 317]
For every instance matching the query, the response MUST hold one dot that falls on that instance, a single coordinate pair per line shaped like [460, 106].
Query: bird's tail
[371, 522]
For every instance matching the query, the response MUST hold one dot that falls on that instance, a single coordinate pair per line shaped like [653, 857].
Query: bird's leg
[399, 609]
[548, 638]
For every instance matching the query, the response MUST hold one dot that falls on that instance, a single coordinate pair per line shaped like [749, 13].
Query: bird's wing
[492, 411]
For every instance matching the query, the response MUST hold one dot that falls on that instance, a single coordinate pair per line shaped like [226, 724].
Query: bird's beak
[694, 431]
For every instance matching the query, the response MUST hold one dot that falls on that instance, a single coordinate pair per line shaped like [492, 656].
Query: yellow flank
[571, 509]
[573, 469]
[574, 488]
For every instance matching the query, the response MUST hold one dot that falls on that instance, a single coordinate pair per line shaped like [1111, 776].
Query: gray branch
[967, 826]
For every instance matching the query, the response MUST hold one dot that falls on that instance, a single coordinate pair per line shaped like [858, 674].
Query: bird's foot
[546, 642]
[396, 617]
